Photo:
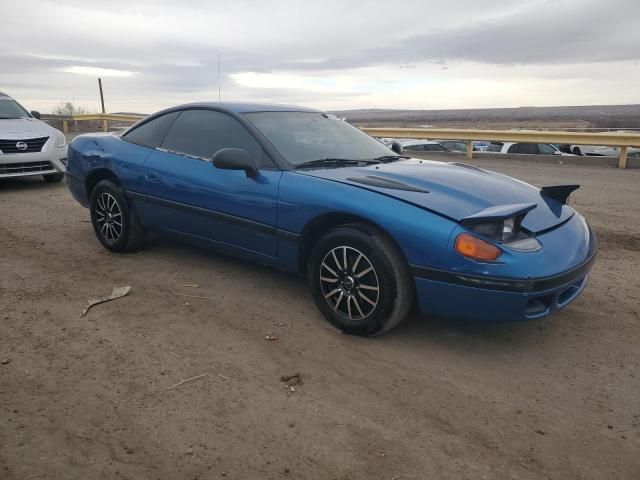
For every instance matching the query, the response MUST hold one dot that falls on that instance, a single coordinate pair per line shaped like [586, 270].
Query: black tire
[390, 274]
[577, 151]
[108, 205]
[53, 177]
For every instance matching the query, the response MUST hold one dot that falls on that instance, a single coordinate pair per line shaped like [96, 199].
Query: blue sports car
[374, 232]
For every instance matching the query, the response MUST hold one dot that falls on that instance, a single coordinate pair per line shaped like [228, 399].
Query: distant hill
[579, 117]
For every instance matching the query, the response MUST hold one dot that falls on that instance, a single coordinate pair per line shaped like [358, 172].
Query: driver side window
[201, 133]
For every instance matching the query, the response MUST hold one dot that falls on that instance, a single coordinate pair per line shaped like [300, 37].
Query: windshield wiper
[390, 158]
[335, 162]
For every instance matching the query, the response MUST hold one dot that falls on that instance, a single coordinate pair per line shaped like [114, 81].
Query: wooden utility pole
[104, 122]
[101, 94]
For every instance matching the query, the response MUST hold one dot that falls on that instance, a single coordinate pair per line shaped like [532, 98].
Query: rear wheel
[359, 280]
[53, 177]
[577, 151]
[114, 220]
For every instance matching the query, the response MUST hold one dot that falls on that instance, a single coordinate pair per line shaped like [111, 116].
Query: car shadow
[455, 334]
[417, 328]
[26, 183]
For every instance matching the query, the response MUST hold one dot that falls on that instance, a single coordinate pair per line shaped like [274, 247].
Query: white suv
[526, 148]
[29, 146]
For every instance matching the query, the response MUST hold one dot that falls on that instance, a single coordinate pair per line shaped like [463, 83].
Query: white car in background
[423, 146]
[601, 151]
[28, 146]
[525, 148]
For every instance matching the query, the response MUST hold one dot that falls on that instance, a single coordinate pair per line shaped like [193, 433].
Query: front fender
[422, 236]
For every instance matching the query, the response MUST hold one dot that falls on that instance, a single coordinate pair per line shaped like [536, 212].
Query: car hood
[21, 128]
[454, 190]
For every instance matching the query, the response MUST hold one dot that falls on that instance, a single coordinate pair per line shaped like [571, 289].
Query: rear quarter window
[151, 134]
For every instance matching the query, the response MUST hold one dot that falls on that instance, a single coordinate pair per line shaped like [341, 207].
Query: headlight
[59, 140]
[508, 233]
[501, 231]
[527, 244]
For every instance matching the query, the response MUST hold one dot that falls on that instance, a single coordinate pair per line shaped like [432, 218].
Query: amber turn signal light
[475, 248]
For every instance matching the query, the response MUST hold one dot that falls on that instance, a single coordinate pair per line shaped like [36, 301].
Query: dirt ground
[90, 398]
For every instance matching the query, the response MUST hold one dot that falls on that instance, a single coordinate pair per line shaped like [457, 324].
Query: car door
[186, 194]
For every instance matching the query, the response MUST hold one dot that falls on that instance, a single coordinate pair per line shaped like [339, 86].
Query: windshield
[9, 108]
[306, 136]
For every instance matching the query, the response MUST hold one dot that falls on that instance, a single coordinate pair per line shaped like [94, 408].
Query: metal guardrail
[621, 140]
[609, 139]
[104, 118]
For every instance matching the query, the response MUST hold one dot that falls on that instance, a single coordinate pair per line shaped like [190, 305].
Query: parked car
[373, 231]
[29, 146]
[423, 146]
[525, 148]
[480, 145]
[453, 145]
[387, 141]
[602, 151]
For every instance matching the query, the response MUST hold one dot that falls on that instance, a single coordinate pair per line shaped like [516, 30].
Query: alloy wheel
[109, 217]
[349, 282]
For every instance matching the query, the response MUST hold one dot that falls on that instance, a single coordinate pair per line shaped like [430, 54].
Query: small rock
[540, 432]
[128, 450]
[291, 380]
[5, 361]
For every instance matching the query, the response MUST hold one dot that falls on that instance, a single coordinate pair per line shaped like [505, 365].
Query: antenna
[218, 77]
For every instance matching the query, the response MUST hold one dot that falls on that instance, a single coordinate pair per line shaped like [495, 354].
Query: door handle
[150, 177]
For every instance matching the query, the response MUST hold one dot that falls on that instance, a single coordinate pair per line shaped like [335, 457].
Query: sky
[333, 55]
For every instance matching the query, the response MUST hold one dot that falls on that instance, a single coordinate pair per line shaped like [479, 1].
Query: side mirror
[235, 159]
[35, 114]
[396, 146]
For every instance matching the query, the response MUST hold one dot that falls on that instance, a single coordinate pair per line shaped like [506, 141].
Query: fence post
[105, 127]
[65, 126]
[469, 150]
[622, 161]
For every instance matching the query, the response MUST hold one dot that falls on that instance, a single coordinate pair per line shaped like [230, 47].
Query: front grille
[25, 167]
[32, 145]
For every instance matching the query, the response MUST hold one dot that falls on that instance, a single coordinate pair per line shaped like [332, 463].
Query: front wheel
[114, 220]
[577, 151]
[359, 280]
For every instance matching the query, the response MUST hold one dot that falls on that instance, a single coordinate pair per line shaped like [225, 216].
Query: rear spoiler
[498, 213]
[559, 192]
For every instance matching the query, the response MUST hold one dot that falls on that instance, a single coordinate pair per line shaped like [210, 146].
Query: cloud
[98, 72]
[329, 54]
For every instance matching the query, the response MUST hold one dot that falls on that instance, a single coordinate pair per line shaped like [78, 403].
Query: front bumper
[495, 299]
[49, 161]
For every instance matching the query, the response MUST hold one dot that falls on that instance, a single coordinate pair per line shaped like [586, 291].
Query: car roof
[245, 107]
[408, 143]
[2, 94]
